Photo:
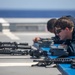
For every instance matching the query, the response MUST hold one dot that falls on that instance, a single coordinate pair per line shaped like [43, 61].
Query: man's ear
[67, 29]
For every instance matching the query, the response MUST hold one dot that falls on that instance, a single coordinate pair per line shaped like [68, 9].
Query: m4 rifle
[47, 62]
[14, 48]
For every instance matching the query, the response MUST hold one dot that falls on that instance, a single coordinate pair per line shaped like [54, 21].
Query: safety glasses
[57, 31]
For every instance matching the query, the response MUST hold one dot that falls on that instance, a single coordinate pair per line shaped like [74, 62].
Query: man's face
[62, 33]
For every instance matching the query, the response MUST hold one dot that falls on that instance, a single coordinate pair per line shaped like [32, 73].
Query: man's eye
[58, 31]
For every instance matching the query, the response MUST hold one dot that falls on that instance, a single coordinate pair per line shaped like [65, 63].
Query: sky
[38, 4]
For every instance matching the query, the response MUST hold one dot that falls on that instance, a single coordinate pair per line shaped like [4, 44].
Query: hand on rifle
[36, 39]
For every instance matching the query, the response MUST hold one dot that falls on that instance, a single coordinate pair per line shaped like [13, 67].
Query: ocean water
[35, 13]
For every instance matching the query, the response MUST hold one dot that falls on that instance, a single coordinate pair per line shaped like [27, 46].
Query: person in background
[50, 25]
[50, 28]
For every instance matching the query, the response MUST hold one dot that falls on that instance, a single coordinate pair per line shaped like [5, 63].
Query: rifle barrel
[57, 61]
